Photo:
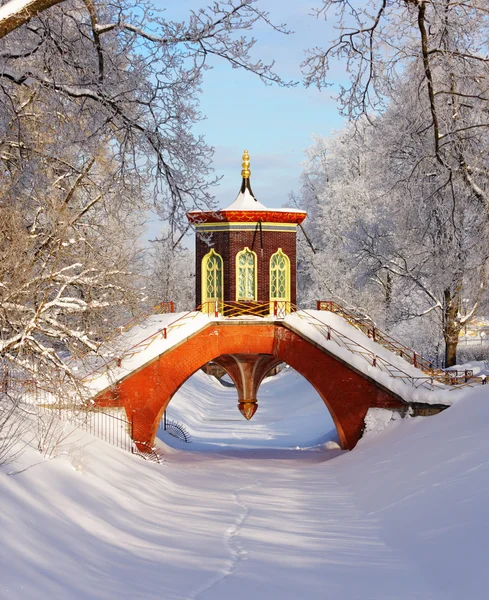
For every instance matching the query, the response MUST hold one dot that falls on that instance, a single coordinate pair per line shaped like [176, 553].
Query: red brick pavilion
[246, 252]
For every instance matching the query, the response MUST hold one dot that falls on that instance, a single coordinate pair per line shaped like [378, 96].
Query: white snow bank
[402, 516]
[427, 481]
[378, 419]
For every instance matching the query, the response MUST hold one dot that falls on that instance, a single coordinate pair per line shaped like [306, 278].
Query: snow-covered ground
[290, 415]
[257, 510]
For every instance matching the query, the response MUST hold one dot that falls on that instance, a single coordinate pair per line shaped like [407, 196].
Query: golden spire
[245, 173]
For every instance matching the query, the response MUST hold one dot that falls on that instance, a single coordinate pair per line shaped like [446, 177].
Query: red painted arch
[348, 395]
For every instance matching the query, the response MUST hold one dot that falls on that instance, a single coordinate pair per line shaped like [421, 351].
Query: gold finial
[245, 173]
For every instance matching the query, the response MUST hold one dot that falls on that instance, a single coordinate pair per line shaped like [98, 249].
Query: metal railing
[166, 307]
[275, 310]
[162, 308]
[176, 429]
[278, 309]
[379, 336]
[40, 402]
[115, 429]
[448, 377]
[121, 353]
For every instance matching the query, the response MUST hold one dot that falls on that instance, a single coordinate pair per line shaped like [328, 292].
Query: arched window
[212, 278]
[280, 280]
[246, 275]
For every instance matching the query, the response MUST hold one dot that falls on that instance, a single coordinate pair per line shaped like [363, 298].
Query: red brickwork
[229, 243]
[348, 394]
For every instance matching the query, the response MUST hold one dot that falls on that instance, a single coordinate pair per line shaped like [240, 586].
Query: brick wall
[229, 243]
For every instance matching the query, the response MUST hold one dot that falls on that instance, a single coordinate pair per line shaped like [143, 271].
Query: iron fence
[109, 425]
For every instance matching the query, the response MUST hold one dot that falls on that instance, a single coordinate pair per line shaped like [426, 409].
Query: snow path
[259, 514]
[231, 538]
[210, 529]
[300, 535]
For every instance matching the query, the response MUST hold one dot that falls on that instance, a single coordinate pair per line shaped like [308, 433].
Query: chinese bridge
[247, 322]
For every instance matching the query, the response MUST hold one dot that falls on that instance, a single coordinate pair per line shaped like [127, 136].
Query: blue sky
[274, 124]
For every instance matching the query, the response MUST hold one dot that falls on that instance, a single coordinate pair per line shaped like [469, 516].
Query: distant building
[475, 333]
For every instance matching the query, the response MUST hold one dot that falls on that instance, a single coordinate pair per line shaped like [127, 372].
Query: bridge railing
[122, 353]
[379, 336]
[373, 359]
[449, 377]
[277, 309]
[166, 307]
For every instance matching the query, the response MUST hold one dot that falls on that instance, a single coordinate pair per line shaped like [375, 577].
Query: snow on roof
[245, 201]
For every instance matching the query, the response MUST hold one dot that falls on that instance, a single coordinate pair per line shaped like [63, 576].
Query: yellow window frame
[246, 250]
[275, 272]
[204, 279]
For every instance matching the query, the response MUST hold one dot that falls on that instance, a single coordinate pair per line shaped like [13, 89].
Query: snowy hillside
[243, 513]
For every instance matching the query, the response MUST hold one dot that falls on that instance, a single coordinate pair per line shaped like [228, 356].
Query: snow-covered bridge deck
[143, 342]
[145, 365]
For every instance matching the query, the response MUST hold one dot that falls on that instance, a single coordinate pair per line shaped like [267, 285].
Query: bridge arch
[347, 394]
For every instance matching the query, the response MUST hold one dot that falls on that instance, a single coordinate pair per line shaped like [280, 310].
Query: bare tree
[138, 76]
[446, 42]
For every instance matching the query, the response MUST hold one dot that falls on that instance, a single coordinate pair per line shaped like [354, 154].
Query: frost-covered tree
[334, 191]
[97, 107]
[432, 234]
[337, 192]
[418, 72]
[135, 76]
[171, 272]
[67, 246]
[394, 239]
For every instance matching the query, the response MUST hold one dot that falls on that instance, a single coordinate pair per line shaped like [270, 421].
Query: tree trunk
[15, 14]
[388, 291]
[451, 352]
[451, 325]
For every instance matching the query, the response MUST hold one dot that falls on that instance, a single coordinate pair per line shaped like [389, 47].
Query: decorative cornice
[236, 226]
[247, 216]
